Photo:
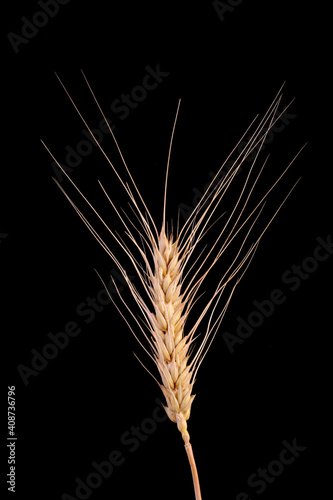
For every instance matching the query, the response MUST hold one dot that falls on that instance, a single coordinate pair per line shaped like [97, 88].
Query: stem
[195, 477]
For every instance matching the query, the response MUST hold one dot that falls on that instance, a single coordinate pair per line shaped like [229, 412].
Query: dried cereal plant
[170, 274]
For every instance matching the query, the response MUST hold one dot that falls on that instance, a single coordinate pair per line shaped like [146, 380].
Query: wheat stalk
[169, 278]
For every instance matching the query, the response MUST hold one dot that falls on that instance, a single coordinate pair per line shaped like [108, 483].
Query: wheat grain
[170, 282]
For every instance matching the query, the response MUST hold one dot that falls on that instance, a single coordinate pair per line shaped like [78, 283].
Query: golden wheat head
[169, 278]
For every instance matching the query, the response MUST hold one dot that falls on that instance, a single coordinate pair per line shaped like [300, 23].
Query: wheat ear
[171, 356]
[169, 278]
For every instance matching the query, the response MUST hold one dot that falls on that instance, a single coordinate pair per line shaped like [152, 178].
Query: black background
[272, 388]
